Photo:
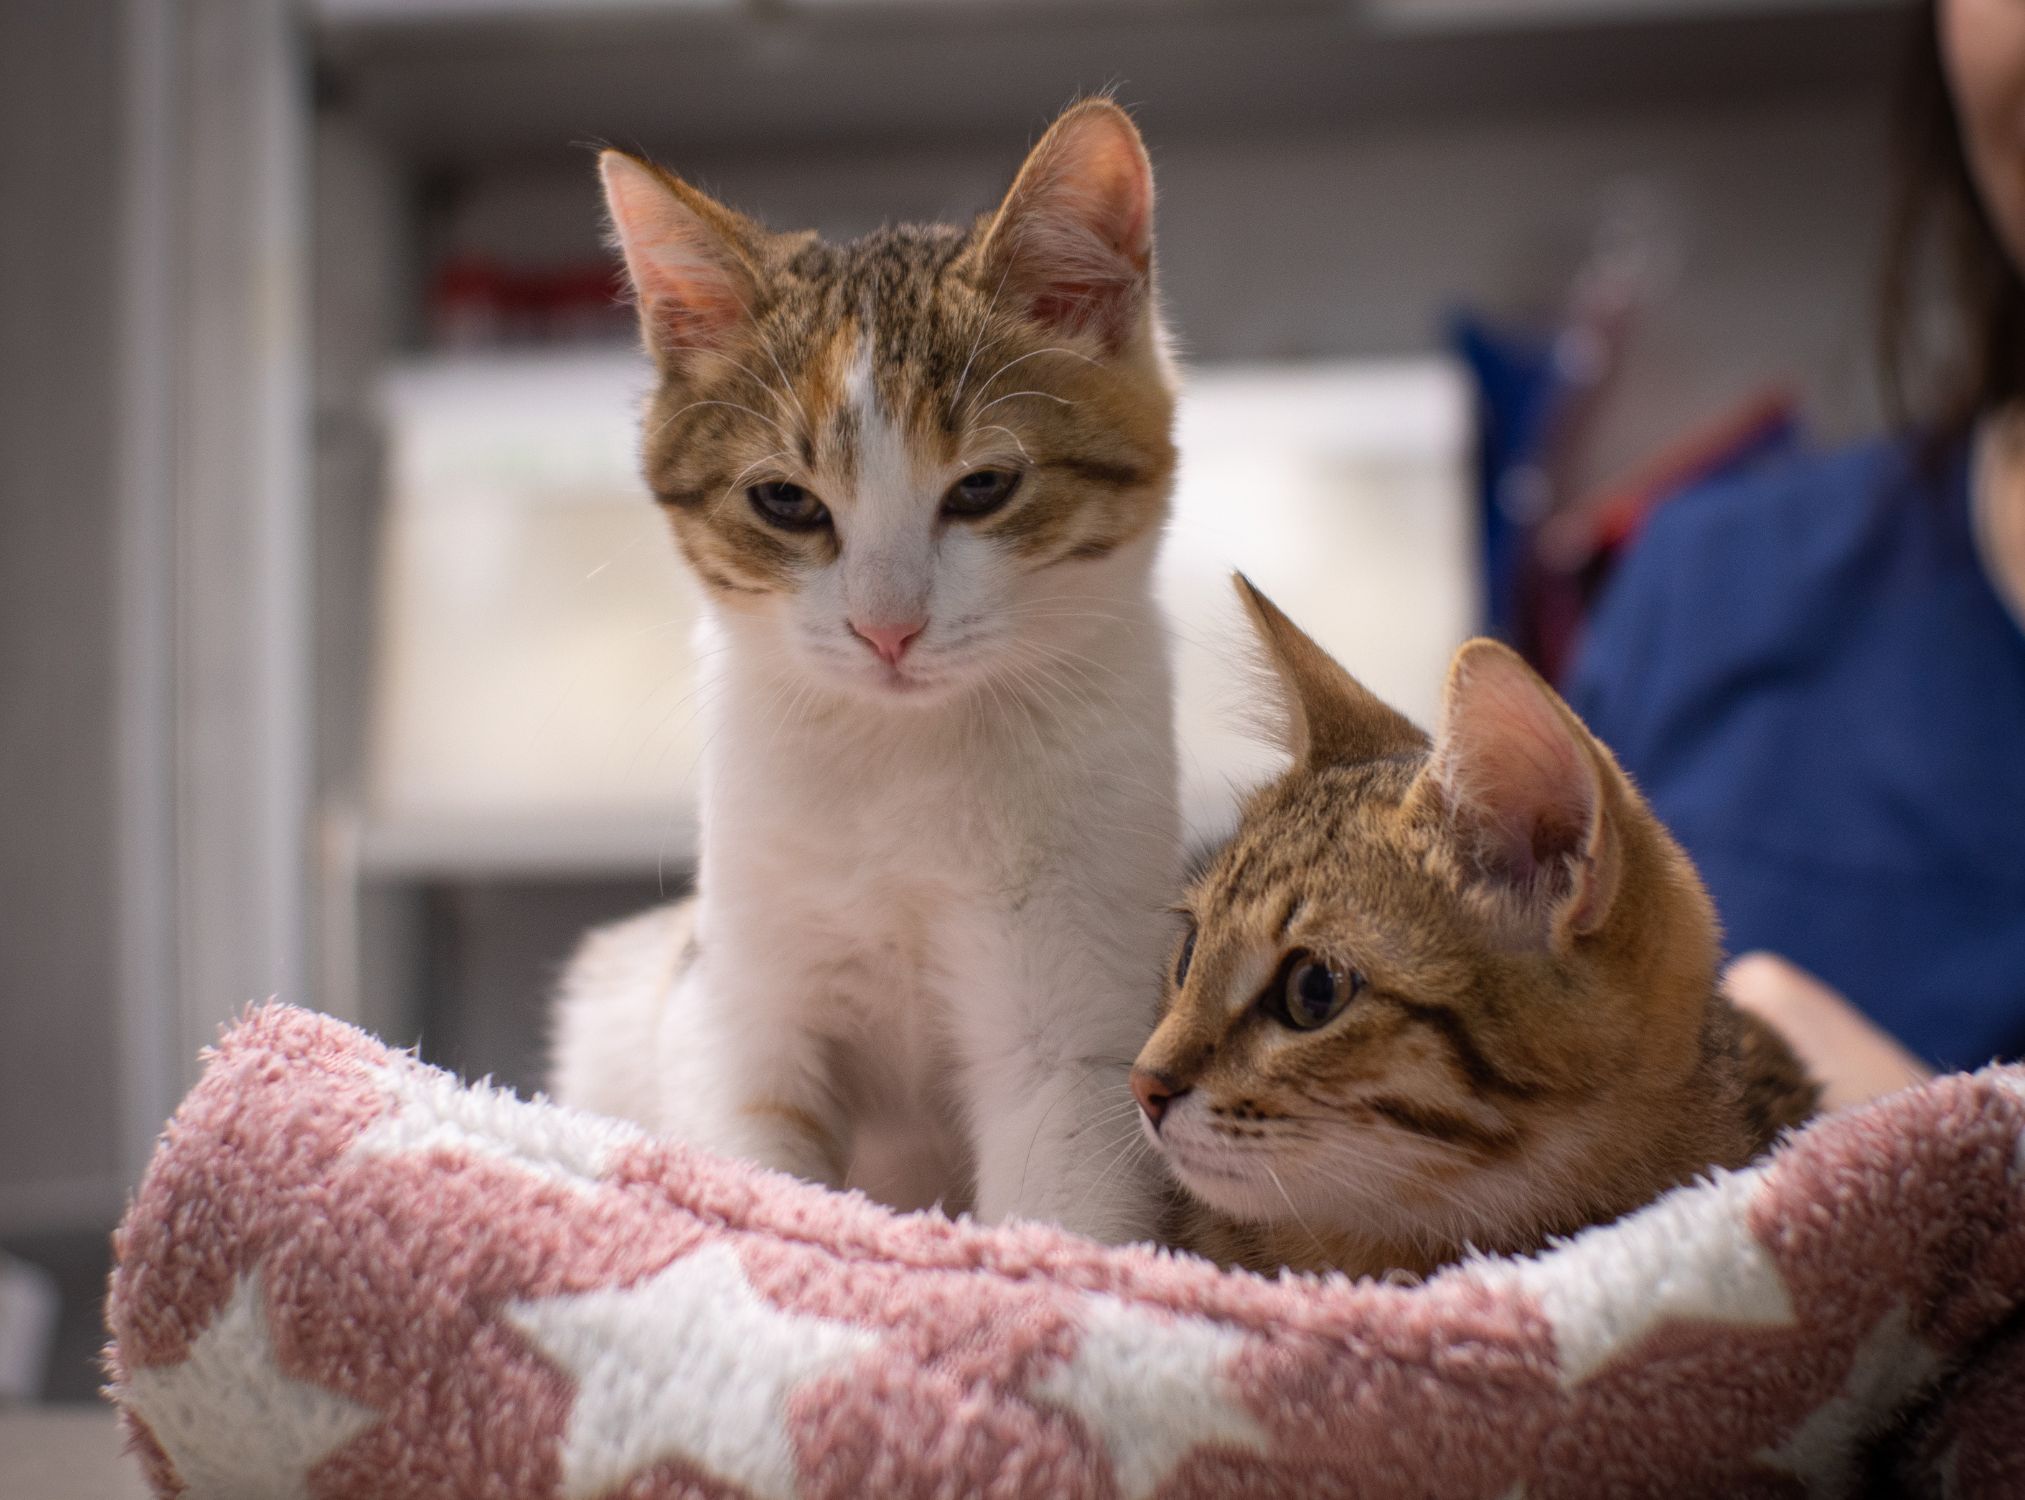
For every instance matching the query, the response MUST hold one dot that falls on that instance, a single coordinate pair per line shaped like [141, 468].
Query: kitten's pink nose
[890, 641]
[1154, 1091]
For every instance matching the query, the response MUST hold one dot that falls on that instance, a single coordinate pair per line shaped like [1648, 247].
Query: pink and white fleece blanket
[347, 1274]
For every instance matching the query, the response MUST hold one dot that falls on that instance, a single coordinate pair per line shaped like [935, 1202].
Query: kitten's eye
[788, 506]
[1310, 993]
[981, 493]
[1187, 957]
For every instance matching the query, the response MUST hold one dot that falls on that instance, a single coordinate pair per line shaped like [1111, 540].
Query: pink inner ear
[1511, 759]
[1080, 233]
[1532, 790]
[690, 287]
[692, 312]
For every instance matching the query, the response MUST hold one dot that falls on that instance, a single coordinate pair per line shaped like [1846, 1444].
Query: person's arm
[1851, 1057]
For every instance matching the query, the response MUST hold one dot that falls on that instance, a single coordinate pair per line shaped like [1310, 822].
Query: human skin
[1983, 53]
[1851, 1058]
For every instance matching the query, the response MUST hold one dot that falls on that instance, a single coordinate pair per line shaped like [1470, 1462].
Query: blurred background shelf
[457, 85]
[651, 842]
[533, 689]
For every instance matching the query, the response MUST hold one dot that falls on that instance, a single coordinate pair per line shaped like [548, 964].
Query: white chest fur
[939, 929]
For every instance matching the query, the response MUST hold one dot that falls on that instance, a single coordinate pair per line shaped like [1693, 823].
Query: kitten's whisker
[783, 392]
[1124, 1110]
[701, 685]
[999, 373]
[1182, 634]
[1013, 708]
[970, 463]
[1041, 650]
[1028, 675]
[752, 322]
[977, 340]
[730, 405]
[1015, 395]
[1320, 1248]
[1109, 1117]
[649, 528]
[740, 478]
[1039, 683]
[1092, 610]
[1041, 761]
[1125, 1157]
[1036, 354]
[1111, 773]
[1465, 1210]
[787, 384]
[1063, 654]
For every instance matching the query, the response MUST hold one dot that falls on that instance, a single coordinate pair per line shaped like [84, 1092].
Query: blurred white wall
[1284, 242]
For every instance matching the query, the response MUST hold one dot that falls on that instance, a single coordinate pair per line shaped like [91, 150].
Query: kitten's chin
[927, 684]
[1239, 1193]
[1228, 1193]
[896, 686]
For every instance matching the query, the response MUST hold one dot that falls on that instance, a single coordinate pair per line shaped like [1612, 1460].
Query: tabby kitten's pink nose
[890, 641]
[1154, 1091]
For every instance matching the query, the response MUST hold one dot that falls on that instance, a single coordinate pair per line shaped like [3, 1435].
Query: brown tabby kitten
[1445, 995]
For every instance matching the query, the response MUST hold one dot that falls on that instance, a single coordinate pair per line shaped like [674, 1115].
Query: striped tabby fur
[1443, 994]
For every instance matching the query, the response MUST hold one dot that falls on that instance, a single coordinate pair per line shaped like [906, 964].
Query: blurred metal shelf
[1492, 14]
[458, 83]
[393, 14]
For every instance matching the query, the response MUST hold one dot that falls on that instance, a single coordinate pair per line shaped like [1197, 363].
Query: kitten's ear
[689, 257]
[1332, 718]
[1523, 783]
[1074, 237]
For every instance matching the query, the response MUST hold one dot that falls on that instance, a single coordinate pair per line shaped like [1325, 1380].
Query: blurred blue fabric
[1810, 674]
[1519, 389]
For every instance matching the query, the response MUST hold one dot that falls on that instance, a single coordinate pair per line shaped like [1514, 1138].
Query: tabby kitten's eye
[788, 506]
[1187, 957]
[1311, 994]
[981, 493]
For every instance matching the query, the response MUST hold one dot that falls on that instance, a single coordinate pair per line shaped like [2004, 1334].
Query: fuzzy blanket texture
[348, 1274]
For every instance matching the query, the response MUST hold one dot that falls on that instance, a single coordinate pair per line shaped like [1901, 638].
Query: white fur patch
[888, 527]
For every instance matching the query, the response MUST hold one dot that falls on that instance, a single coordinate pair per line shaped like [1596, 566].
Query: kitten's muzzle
[1155, 1090]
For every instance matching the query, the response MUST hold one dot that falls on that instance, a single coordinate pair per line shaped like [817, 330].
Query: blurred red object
[476, 302]
[1577, 548]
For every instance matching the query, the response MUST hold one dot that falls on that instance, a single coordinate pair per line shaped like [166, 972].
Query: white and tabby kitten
[922, 478]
